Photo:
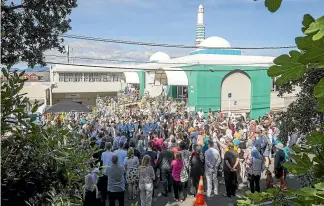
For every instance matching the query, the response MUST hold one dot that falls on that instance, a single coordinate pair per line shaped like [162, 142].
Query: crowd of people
[139, 151]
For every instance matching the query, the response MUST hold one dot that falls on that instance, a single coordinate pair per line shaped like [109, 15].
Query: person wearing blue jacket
[130, 128]
[153, 126]
[146, 128]
[122, 126]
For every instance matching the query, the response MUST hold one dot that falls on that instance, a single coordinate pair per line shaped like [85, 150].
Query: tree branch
[10, 8]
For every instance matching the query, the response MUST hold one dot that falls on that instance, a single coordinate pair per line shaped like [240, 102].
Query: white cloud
[108, 51]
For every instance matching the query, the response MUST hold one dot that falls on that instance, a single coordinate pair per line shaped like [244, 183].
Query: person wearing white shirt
[201, 114]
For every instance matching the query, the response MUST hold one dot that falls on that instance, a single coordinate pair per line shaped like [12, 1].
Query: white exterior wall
[240, 86]
[153, 89]
[281, 103]
[79, 87]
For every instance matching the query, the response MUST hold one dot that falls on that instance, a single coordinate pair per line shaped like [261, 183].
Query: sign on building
[72, 96]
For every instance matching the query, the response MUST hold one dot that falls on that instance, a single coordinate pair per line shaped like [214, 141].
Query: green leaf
[319, 89]
[320, 104]
[317, 26]
[288, 67]
[319, 186]
[316, 138]
[273, 5]
[295, 168]
[34, 109]
[313, 51]
[302, 165]
[307, 20]
[306, 192]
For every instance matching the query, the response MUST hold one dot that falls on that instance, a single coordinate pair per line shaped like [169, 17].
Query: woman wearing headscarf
[90, 191]
[196, 169]
[254, 173]
[131, 165]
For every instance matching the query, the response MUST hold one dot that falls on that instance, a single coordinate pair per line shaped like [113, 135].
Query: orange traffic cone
[283, 181]
[200, 197]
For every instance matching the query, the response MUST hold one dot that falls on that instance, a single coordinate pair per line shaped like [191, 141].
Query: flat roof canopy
[132, 77]
[168, 76]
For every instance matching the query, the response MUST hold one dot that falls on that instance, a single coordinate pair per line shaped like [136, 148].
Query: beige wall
[240, 86]
[35, 91]
[75, 87]
[88, 98]
[281, 103]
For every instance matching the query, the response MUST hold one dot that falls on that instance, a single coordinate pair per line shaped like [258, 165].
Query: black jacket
[165, 159]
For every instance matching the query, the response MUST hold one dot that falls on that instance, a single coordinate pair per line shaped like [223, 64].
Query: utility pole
[68, 54]
[67, 48]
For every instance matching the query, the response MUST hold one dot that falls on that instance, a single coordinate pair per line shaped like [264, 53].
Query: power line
[154, 70]
[144, 62]
[111, 60]
[167, 45]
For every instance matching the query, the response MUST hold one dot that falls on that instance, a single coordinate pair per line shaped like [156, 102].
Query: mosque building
[214, 76]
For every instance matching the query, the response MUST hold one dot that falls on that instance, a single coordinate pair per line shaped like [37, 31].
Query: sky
[244, 23]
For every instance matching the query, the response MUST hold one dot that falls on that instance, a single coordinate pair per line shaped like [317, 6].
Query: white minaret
[200, 27]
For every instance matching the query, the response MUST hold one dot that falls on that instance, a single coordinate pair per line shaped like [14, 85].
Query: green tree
[32, 27]
[302, 68]
[36, 160]
[303, 113]
[39, 165]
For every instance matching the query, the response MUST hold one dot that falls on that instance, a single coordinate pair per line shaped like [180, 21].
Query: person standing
[212, 162]
[116, 182]
[254, 173]
[146, 178]
[164, 162]
[153, 159]
[231, 162]
[121, 153]
[196, 169]
[280, 157]
[131, 165]
[90, 191]
[107, 155]
[185, 154]
[177, 166]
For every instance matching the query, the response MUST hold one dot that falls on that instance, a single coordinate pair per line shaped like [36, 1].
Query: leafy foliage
[37, 160]
[273, 5]
[303, 113]
[302, 68]
[30, 28]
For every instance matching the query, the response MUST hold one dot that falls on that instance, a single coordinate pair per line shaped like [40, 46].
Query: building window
[86, 77]
[91, 77]
[118, 76]
[61, 77]
[66, 77]
[78, 77]
[110, 77]
[41, 78]
[274, 87]
[97, 77]
[104, 77]
[71, 77]
[182, 92]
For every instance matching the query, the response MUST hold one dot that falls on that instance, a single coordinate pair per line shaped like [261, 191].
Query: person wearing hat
[278, 163]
